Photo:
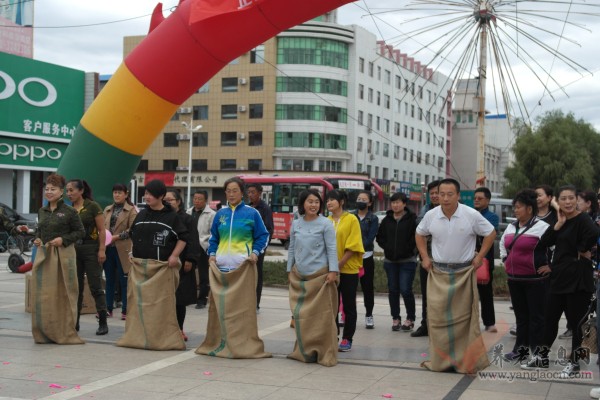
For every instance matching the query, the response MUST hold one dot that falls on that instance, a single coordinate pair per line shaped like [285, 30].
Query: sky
[88, 35]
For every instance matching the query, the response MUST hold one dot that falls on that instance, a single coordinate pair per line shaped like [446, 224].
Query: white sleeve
[481, 226]
[423, 227]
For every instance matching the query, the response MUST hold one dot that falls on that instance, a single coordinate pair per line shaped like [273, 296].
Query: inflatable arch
[179, 55]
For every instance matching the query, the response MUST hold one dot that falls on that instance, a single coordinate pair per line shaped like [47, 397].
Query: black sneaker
[569, 371]
[421, 331]
[568, 334]
[200, 306]
[536, 363]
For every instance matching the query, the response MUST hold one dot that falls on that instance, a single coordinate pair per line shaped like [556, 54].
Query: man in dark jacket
[254, 192]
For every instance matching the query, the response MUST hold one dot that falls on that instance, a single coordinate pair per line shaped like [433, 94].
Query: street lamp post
[191, 128]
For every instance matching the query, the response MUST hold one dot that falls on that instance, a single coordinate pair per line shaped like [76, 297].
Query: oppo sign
[12, 87]
[29, 152]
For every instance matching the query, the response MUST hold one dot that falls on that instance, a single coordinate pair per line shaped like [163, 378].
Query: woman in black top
[186, 291]
[571, 278]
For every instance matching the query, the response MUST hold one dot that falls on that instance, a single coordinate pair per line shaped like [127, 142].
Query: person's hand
[544, 270]
[187, 266]
[426, 264]
[37, 242]
[477, 261]
[253, 257]
[23, 228]
[331, 277]
[56, 242]
[101, 256]
[554, 204]
[587, 255]
[173, 261]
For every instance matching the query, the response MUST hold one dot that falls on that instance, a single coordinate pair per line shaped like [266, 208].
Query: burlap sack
[55, 289]
[314, 305]
[455, 341]
[151, 317]
[232, 329]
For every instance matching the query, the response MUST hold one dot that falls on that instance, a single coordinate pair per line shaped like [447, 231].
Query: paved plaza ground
[382, 363]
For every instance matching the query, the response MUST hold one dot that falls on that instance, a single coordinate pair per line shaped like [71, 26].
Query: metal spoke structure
[466, 33]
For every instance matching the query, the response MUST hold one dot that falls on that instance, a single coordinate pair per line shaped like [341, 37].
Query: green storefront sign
[39, 100]
[30, 154]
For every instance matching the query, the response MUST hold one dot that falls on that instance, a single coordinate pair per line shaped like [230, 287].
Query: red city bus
[281, 192]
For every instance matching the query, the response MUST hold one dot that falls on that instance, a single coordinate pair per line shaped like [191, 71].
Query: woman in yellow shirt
[349, 251]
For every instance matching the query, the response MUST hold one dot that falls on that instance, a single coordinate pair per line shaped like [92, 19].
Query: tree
[560, 151]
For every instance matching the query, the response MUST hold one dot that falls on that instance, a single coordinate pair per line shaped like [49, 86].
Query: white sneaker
[569, 371]
[595, 393]
[369, 322]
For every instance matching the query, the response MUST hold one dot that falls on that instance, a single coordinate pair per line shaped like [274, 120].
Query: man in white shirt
[452, 286]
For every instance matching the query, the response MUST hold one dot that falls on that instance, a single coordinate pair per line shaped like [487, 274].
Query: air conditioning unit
[243, 81]
[242, 108]
[241, 136]
[185, 110]
[181, 168]
[183, 136]
[372, 157]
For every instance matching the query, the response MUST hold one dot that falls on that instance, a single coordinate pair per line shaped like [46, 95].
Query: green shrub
[274, 274]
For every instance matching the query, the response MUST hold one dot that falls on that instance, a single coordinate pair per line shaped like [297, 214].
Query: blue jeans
[400, 277]
[112, 265]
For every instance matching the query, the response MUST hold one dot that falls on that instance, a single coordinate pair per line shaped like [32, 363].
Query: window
[257, 55]
[429, 96]
[387, 125]
[386, 101]
[229, 111]
[388, 77]
[420, 134]
[378, 73]
[410, 177]
[386, 150]
[369, 146]
[396, 152]
[404, 176]
[370, 121]
[359, 167]
[361, 91]
[255, 164]
[200, 113]
[361, 65]
[228, 163]
[200, 139]
[398, 82]
[412, 133]
[312, 51]
[376, 172]
[199, 165]
[310, 140]
[228, 138]
[397, 128]
[229, 84]
[420, 114]
[396, 174]
[428, 136]
[327, 165]
[311, 85]
[378, 98]
[377, 148]
[405, 155]
[296, 165]
[310, 112]
[378, 124]
[405, 131]
[370, 69]
[418, 157]
[359, 145]
[398, 106]
[418, 178]
[142, 166]
[412, 111]
[420, 92]
[426, 158]
[205, 88]
[370, 95]
[170, 165]
[256, 111]
[256, 83]
[360, 117]
[170, 140]
[385, 172]
[368, 170]
[255, 138]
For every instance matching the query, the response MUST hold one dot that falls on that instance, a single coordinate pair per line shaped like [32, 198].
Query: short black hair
[528, 198]
[237, 180]
[339, 195]
[399, 196]
[450, 181]
[432, 185]
[203, 193]
[486, 192]
[304, 195]
[256, 186]
[546, 188]
[561, 189]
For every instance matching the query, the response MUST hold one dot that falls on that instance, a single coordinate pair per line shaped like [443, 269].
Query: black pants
[180, 310]
[88, 265]
[347, 289]
[259, 275]
[575, 306]
[423, 281]
[486, 298]
[203, 277]
[366, 285]
[528, 299]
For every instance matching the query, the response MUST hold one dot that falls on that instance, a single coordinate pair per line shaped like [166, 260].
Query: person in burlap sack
[54, 284]
[158, 236]
[455, 342]
[238, 237]
[313, 274]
